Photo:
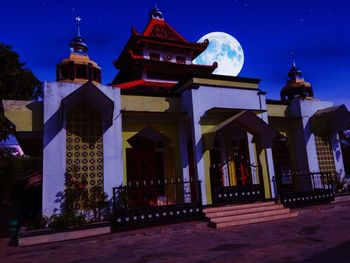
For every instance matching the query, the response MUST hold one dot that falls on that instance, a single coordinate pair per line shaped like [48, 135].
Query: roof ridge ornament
[155, 13]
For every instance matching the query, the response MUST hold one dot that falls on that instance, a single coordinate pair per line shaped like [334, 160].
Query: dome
[294, 72]
[78, 67]
[296, 86]
[78, 45]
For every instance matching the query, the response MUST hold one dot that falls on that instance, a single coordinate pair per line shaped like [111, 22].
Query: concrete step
[254, 220]
[247, 216]
[236, 207]
[233, 212]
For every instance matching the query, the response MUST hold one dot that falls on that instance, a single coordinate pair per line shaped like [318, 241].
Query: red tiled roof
[159, 32]
[160, 29]
[144, 83]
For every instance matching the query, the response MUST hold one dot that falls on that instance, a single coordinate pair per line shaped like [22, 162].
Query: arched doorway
[149, 167]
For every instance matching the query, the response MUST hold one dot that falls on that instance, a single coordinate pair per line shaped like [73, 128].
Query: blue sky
[268, 30]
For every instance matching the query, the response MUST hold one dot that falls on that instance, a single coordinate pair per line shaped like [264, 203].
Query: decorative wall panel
[84, 145]
[324, 153]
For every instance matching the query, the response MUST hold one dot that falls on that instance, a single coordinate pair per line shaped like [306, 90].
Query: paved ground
[319, 234]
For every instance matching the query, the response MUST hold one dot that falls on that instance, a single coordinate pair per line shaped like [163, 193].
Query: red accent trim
[133, 56]
[144, 83]
[199, 47]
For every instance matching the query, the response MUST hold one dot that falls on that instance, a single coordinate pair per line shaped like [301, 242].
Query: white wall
[305, 109]
[229, 98]
[54, 154]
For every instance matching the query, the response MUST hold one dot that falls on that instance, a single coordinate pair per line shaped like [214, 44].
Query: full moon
[223, 49]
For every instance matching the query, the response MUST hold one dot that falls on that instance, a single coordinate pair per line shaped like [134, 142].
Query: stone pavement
[318, 234]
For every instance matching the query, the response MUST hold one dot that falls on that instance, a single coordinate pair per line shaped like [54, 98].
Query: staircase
[235, 215]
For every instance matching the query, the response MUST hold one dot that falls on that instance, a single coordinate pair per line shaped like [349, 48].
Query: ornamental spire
[292, 54]
[78, 19]
[296, 86]
[77, 44]
[294, 72]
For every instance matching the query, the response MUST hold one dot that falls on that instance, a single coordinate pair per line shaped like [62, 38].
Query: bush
[60, 221]
[77, 202]
[12, 169]
[39, 222]
[342, 184]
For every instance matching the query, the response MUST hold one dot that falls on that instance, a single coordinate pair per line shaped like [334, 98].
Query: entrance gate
[236, 180]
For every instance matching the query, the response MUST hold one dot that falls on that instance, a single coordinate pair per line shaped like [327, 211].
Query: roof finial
[78, 44]
[78, 19]
[292, 54]
[294, 72]
[156, 13]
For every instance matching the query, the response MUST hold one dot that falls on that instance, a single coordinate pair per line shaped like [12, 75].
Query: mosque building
[170, 133]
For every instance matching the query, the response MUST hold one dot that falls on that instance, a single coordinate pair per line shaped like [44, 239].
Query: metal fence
[148, 203]
[305, 188]
[237, 188]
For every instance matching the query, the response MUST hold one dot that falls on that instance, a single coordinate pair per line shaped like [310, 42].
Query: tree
[16, 83]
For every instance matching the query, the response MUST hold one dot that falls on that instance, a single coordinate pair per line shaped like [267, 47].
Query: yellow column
[265, 172]
[206, 157]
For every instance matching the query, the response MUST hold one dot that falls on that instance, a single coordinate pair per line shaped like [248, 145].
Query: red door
[141, 177]
[241, 164]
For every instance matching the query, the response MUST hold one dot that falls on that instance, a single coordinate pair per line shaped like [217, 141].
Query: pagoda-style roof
[159, 32]
[161, 65]
[177, 71]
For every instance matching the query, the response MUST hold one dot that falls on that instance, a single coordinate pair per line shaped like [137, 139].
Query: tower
[296, 86]
[156, 59]
[78, 67]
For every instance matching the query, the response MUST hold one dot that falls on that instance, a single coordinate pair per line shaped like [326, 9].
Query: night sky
[268, 30]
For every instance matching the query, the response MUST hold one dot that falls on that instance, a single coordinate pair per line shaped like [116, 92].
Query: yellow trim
[25, 115]
[80, 59]
[225, 83]
[153, 104]
[276, 110]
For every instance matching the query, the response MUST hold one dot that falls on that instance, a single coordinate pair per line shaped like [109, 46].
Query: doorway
[145, 163]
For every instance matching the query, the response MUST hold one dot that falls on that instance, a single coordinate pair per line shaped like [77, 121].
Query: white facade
[54, 152]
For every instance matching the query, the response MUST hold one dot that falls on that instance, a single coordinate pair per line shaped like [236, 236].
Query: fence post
[313, 180]
[113, 200]
[199, 194]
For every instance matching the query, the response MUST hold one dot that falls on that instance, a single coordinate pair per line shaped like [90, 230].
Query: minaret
[78, 67]
[296, 86]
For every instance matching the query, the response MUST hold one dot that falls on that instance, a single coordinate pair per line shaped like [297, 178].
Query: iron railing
[148, 203]
[305, 188]
[236, 189]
